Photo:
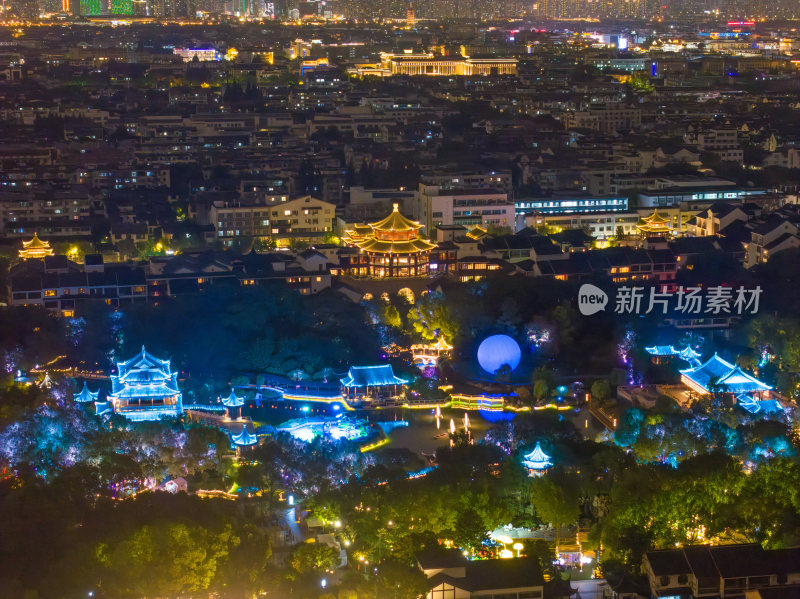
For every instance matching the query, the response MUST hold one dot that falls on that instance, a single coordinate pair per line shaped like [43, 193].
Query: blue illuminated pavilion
[721, 374]
[145, 388]
[233, 401]
[661, 353]
[244, 438]
[361, 380]
[537, 462]
[85, 396]
[754, 406]
[661, 350]
[689, 355]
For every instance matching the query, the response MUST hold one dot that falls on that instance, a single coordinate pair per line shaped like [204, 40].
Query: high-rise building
[121, 7]
[91, 7]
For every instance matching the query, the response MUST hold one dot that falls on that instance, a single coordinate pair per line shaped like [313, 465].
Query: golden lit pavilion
[393, 246]
[428, 354]
[35, 249]
[655, 225]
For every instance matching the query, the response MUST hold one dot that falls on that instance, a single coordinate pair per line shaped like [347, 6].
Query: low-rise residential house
[724, 571]
[715, 218]
[451, 576]
[768, 237]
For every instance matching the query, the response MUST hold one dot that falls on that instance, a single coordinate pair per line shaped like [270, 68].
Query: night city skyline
[337, 299]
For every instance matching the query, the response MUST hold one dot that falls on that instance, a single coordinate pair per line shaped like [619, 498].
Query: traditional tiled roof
[35, 248]
[232, 401]
[395, 234]
[371, 376]
[537, 459]
[395, 222]
[144, 376]
[730, 378]
[85, 396]
[661, 350]
[244, 438]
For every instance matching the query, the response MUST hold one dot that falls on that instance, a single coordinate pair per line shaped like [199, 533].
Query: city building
[266, 217]
[428, 64]
[600, 225]
[469, 207]
[724, 571]
[61, 285]
[450, 574]
[606, 118]
[674, 196]
[569, 203]
[197, 54]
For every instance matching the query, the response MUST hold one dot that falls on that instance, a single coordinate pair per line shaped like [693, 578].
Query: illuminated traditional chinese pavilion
[231, 402]
[86, 396]
[655, 225]
[145, 388]
[429, 354]
[660, 354]
[35, 249]
[393, 247]
[537, 462]
[244, 438]
[716, 375]
[371, 380]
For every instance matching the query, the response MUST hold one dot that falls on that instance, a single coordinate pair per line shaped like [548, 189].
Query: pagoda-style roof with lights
[145, 388]
[655, 225]
[716, 374]
[232, 401]
[35, 249]
[395, 234]
[441, 345]
[537, 461]
[244, 438]
[86, 396]
[428, 354]
[393, 246]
